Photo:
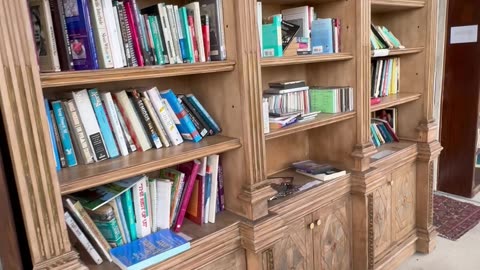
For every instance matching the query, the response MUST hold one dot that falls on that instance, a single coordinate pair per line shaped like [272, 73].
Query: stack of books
[91, 126]
[331, 99]
[93, 34]
[298, 31]
[120, 214]
[381, 38]
[385, 77]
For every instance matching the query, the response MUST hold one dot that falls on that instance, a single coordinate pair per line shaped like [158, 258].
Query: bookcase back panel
[332, 74]
[409, 117]
[283, 151]
[412, 73]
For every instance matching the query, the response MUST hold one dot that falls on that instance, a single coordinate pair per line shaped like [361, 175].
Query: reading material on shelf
[324, 172]
[385, 77]
[94, 126]
[381, 38]
[114, 34]
[389, 115]
[382, 132]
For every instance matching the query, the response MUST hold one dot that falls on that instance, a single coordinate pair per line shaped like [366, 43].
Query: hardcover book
[190, 169]
[214, 10]
[107, 224]
[61, 35]
[272, 38]
[322, 36]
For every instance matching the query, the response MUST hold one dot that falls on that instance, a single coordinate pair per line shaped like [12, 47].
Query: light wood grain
[304, 59]
[395, 100]
[395, 5]
[393, 52]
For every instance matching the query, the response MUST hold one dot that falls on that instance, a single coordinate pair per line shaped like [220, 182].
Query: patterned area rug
[454, 218]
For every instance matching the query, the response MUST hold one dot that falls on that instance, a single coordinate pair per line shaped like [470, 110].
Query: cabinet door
[294, 251]
[233, 261]
[382, 218]
[403, 201]
[332, 236]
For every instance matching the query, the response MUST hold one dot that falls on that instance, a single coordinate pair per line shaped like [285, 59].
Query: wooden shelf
[380, 6]
[405, 51]
[322, 119]
[395, 100]
[304, 59]
[396, 150]
[69, 78]
[296, 2]
[86, 176]
[224, 220]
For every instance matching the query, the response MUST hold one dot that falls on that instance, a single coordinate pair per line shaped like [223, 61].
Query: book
[322, 36]
[202, 130]
[389, 115]
[72, 225]
[153, 21]
[58, 141]
[113, 34]
[58, 165]
[44, 36]
[129, 212]
[285, 91]
[265, 114]
[272, 38]
[152, 189]
[207, 197]
[140, 203]
[125, 29]
[190, 169]
[206, 36]
[318, 171]
[194, 8]
[114, 121]
[204, 114]
[298, 16]
[80, 34]
[191, 28]
[221, 191]
[94, 198]
[212, 163]
[86, 223]
[89, 122]
[181, 35]
[132, 24]
[148, 55]
[65, 137]
[61, 35]
[214, 10]
[145, 118]
[178, 182]
[174, 31]
[163, 193]
[121, 43]
[259, 26]
[126, 133]
[188, 42]
[104, 219]
[287, 84]
[156, 121]
[149, 250]
[120, 217]
[196, 209]
[99, 25]
[289, 30]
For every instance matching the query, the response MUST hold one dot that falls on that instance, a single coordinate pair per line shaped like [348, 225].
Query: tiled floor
[463, 254]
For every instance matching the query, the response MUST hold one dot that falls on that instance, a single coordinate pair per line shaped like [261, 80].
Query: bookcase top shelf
[322, 119]
[380, 6]
[86, 176]
[70, 78]
[405, 51]
[394, 100]
[304, 59]
[296, 2]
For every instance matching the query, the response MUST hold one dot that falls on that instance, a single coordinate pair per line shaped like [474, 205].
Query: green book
[272, 38]
[186, 34]
[127, 205]
[157, 42]
[323, 100]
[104, 218]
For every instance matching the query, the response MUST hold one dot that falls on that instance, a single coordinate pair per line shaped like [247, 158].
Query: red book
[195, 210]
[190, 169]
[134, 32]
[194, 37]
[127, 122]
[375, 101]
[206, 36]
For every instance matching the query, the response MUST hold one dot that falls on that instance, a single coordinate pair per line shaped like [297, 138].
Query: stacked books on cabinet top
[382, 40]
[385, 77]
[383, 126]
[90, 126]
[297, 31]
[116, 219]
[289, 102]
[323, 172]
[93, 34]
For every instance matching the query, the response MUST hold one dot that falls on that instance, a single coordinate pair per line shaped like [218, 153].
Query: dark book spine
[221, 190]
[61, 153]
[145, 119]
[214, 10]
[126, 36]
[198, 126]
[140, 27]
[61, 35]
[195, 115]
[206, 36]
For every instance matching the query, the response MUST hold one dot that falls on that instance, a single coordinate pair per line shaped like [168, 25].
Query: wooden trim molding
[371, 240]
[24, 115]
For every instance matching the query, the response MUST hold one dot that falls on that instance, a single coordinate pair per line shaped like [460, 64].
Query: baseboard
[398, 254]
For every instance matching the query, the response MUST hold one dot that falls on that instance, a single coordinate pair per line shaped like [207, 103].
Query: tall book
[119, 37]
[52, 136]
[65, 137]
[113, 33]
[191, 29]
[115, 122]
[61, 35]
[89, 121]
[140, 26]
[163, 194]
[181, 35]
[131, 19]
[128, 46]
[272, 38]
[43, 33]
[195, 9]
[157, 38]
[129, 212]
[140, 203]
[186, 34]
[77, 232]
[190, 169]
[104, 51]
[214, 10]
[206, 35]
[159, 11]
[80, 33]
[174, 32]
[212, 163]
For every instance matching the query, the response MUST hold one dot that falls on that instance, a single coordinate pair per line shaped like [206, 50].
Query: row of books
[382, 132]
[116, 216]
[382, 38]
[385, 77]
[83, 34]
[297, 31]
[90, 126]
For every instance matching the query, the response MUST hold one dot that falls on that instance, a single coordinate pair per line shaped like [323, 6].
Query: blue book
[208, 189]
[149, 250]
[64, 133]
[80, 34]
[103, 123]
[52, 136]
[122, 221]
[322, 36]
[204, 114]
[375, 139]
[185, 125]
[187, 37]
[127, 205]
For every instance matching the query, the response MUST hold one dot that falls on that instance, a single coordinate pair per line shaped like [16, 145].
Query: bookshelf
[253, 232]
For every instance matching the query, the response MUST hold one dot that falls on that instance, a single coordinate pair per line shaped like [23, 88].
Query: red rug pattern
[454, 218]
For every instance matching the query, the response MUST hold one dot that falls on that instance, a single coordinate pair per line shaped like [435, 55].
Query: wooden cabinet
[320, 240]
[393, 206]
[233, 261]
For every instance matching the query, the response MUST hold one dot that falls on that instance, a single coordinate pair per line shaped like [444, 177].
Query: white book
[167, 35]
[126, 133]
[90, 124]
[115, 122]
[132, 117]
[299, 16]
[195, 8]
[164, 193]
[80, 140]
[174, 30]
[164, 116]
[140, 203]
[156, 121]
[212, 162]
[102, 42]
[152, 188]
[113, 33]
[266, 124]
[259, 25]
[179, 30]
[82, 238]
[119, 36]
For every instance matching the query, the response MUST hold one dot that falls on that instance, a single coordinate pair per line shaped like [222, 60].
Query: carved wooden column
[364, 148]
[254, 194]
[26, 127]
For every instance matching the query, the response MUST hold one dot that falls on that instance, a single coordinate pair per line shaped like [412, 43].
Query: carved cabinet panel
[382, 218]
[233, 261]
[403, 201]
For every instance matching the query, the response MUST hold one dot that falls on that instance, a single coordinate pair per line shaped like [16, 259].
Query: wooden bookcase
[374, 217]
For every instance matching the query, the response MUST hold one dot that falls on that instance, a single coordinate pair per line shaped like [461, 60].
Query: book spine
[177, 200]
[134, 33]
[146, 120]
[186, 127]
[181, 35]
[198, 126]
[174, 32]
[206, 197]
[126, 36]
[128, 139]
[119, 35]
[115, 122]
[149, 34]
[82, 238]
[64, 133]
[116, 211]
[52, 54]
[112, 32]
[161, 39]
[126, 126]
[58, 141]
[196, 114]
[197, 22]
[104, 50]
[221, 33]
[111, 231]
[152, 188]
[186, 34]
[127, 205]
[169, 43]
[79, 133]
[123, 221]
[204, 114]
[221, 191]
[105, 129]
[186, 196]
[140, 199]
[213, 163]
[61, 35]
[52, 136]
[163, 204]
[140, 26]
[206, 36]
[156, 121]
[191, 28]
[157, 44]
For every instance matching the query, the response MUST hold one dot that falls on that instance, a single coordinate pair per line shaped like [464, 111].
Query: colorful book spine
[64, 133]
[196, 209]
[58, 141]
[207, 197]
[190, 170]
[186, 127]
[127, 205]
[204, 114]
[191, 28]
[157, 39]
[104, 218]
[100, 33]
[145, 119]
[82, 238]
[140, 203]
[127, 39]
[188, 45]
[182, 38]
[61, 35]
[52, 136]
[140, 25]
[156, 121]
[197, 23]
[128, 138]
[198, 126]
[80, 34]
[115, 122]
[272, 38]
[206, 36]
[129, 11]
[123, 220]
[214, 10]
[113, 34]
[196, 115]
[80, 140]
[116, 211]
[213, 164]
